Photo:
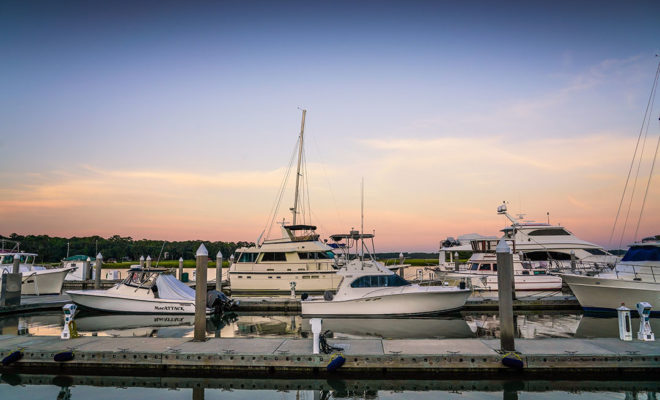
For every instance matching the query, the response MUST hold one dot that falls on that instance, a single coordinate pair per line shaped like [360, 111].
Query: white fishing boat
[298, 257]
[144, 291]
[368, 288]
[481, 272]
[636, 278]
[36, 279]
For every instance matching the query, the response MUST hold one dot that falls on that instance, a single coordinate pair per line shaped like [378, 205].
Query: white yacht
[297, 258]
[552, 243]
[636, 278]
[481, 270]
[146, 291]
[368, 288]
[37, 279]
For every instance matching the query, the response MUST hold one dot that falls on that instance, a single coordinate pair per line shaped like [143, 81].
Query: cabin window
[549, 232]
[642, 253]
[316, 255]
[484, 267]
[494, 267]
[379, 281]
[475, 266]
[247, 257]
[273, 257]
[597, 252]
[547, 255]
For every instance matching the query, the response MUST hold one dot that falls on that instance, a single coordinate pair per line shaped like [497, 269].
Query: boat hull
[413, 303]
[521, 282]
[100, 300]
[41, 282]
[280, 282]
[606, 294]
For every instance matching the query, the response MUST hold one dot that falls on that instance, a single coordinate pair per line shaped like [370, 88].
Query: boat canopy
[77, 257]
[301, 227]
[173, 289]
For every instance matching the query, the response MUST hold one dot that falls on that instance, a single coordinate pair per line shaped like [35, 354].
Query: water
[459, 325]
[145, 388]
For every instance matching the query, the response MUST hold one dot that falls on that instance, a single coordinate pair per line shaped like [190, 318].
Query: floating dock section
[364, 357]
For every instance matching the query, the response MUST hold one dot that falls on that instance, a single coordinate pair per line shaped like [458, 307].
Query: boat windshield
[642, 253]
[316, 255]
[140, 278]
[379, 281]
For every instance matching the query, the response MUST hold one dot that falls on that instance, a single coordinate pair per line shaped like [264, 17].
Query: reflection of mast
[300, 149]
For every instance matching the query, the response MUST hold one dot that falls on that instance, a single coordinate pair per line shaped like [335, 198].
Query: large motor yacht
[552, 243]
[298, 257]
[636, 278]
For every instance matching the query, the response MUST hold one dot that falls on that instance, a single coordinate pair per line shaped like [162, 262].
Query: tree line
[54, 249]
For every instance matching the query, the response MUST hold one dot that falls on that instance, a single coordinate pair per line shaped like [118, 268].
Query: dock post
[99, 265]
[198, 393]
[202, 258]
[441, 259]
[85, 271]
[181, 269]
[505, 295]
[456, 261]
[218, 271]
[16, 266]
[148, 262]
[141, 261]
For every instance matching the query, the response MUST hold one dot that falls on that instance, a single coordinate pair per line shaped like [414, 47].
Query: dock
[364, 357]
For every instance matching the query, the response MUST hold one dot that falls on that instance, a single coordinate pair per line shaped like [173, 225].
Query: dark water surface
[459, 325]
[129, 388]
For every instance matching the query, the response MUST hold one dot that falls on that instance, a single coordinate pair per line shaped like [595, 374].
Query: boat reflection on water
[526, 325]
[395, 328]
[607, 326]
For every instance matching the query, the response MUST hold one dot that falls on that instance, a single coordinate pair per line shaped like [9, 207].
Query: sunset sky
[176, 120]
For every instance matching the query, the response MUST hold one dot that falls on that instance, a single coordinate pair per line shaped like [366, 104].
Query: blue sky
[121, 96]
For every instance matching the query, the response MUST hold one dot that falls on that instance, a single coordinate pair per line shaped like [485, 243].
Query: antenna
[362, 221]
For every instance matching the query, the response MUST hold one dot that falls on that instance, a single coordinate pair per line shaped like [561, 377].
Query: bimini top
[353, 235]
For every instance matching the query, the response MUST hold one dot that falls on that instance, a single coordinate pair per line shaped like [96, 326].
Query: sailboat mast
[362, 221]
[300, 149]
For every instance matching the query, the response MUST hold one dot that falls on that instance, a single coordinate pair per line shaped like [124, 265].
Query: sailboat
[297, 259]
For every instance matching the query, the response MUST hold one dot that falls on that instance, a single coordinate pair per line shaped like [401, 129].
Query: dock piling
[148, 262]
[141, 261]
[218, 271]
[99, 265]
[181, 269]
[16, 266]
[505, 295]
[456, 261]
[86, 272]
[202, 260]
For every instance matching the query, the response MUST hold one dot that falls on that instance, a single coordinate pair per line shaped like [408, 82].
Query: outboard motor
[218, 301]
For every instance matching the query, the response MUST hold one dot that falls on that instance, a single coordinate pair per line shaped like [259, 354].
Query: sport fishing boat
[36, 279]
[481, 272]
[368, 288]
[636, 278]
[297, 258]
[144, 290]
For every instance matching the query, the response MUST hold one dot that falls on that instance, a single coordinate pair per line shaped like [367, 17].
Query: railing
[638, 272]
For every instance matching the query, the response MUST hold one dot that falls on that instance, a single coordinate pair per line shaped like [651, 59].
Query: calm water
[128, 388]
[528, 325]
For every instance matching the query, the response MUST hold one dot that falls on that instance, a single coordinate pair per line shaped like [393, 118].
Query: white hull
[521, 282]
[46, 281]
[274, 282]
[596, 293]
[412, 303]
[101, 300]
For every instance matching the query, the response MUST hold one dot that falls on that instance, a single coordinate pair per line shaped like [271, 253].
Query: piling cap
[201, 251]
[89, 259]
[148, 258]
[219, 255]
[502, 247]
[99, 255]
[141, 258]
[180, 258]
[623, 307]
[400, 255]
